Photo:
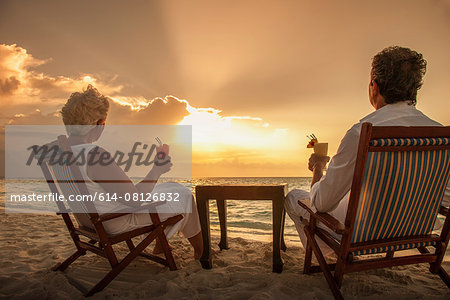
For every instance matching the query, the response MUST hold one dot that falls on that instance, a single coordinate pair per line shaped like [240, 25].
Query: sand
[31, 244]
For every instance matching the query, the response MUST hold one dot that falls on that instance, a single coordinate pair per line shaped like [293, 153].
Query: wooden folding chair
[66, 179]
[397, 189]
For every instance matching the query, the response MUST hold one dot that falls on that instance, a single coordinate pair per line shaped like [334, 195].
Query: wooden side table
[221, 193]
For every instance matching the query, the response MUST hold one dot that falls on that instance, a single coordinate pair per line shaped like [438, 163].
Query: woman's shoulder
[97, 152]
[88, 148]
[93, 152]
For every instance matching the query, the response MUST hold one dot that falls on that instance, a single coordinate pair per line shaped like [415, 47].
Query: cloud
[31, 97]
[165, 111]
[9, 85]
[14, 62]
[22, 85]
[34, 96]
[36, 118]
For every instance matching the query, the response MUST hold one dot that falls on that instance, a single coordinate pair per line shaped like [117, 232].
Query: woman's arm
[149, 182]
[116, 182]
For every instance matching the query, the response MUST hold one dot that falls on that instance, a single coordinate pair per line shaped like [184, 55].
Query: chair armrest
[127, 211]
[443, 210]
[305, 206]
[331, 222]
[106, 217]
[327, 219]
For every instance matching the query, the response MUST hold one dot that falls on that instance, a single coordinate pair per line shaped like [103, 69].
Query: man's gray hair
[399, 72]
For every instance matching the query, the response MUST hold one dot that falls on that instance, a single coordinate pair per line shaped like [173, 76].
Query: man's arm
[316, 165]
[328, 190]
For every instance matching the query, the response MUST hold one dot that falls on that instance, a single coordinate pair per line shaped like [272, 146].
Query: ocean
[246, 219]
[253, 219]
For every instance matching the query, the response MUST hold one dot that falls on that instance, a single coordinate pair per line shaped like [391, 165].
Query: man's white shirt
[331, 193]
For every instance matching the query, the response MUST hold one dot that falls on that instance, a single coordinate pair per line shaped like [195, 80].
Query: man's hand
[316, 161]
[316, 164]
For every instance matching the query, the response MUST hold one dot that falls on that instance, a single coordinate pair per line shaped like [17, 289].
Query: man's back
[335, 185]
[395, 77]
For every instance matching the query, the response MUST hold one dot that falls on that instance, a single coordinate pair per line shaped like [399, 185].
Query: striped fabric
[410, 142]
[65, 182]
[401, 193]
[393, 248]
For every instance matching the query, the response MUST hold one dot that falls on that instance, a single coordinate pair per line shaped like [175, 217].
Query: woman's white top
[132, 221]
[102, 207]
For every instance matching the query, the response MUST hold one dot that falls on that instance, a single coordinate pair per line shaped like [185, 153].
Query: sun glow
[135, 103]
[88, 79]
[212, 132]
[218, 135]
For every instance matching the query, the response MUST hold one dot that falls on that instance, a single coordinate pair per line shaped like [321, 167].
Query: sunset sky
[252, 77]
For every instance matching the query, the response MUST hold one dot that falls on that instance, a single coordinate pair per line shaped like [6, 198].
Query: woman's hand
[161, 166]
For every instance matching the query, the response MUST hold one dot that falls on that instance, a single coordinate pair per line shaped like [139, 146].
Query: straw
[312, 137]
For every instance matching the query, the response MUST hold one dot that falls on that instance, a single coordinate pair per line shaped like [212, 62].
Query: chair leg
[62, 266]
[318, 269]
[116, 269]
[323, 264]
[339, 271]
[444, 276]
[167, 252]
[163, 240]
[308, 258]
[130, 244]
[149, 256]
[441, 272]
[109, 277]
[440, 252]
[110, 255]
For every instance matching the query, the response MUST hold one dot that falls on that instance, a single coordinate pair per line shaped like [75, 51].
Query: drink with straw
[162, 150]
[320, 149]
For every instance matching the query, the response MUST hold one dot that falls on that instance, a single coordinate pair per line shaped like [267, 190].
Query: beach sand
[31, 244]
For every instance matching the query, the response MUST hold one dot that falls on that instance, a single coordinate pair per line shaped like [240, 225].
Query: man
[395, 78]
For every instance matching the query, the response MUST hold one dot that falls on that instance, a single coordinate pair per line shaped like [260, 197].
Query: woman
[91, 108]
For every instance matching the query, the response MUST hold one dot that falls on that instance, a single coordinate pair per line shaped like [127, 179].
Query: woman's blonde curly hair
[84, 108]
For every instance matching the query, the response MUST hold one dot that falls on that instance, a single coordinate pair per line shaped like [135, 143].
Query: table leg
[277, 216]
[283, 244]
[203, 213]
[222, 211]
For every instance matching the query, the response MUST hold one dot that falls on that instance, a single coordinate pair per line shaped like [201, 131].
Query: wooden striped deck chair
[398, 185]
[90, 234]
